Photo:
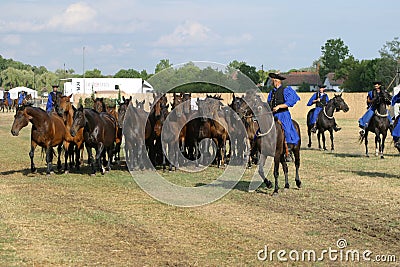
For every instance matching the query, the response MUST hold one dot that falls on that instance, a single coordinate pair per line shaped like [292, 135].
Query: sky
[135, 34]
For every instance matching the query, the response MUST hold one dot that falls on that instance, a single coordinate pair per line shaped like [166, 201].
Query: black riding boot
[314, 128]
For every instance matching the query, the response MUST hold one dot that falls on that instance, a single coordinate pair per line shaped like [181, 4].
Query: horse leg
[261, 163]
[319, 140]
[91, 160]
[323, 141]
[31, 155]
[331, 135]
[49, 159]
[383, 144]
[296, 153]
[59, 165]
[377, 143]
[285, 172]
[99, 154]
[309, 135]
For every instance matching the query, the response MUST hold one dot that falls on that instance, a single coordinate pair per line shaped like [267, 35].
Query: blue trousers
[396, 132]
[364, 120]
[314, 115]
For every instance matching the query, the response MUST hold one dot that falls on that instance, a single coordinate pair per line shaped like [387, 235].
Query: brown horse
[47, 131]
[65, 109]
[270, 144]
[136, 131]
[99, 133]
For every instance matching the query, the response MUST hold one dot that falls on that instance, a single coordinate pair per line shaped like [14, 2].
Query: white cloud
[77, 17]
[187, 34]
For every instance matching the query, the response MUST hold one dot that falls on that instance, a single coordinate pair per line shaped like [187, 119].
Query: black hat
[377, 82]
[55, 86]
[276, 76]
[322, 86]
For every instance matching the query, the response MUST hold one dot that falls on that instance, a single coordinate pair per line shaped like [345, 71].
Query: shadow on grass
[372, 174]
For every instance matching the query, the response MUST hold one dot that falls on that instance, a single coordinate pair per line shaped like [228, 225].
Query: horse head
[339, 103]
[78, 122]
[21, 119]
[63, 105]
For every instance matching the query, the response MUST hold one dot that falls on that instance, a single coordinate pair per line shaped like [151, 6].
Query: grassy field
[80, 220]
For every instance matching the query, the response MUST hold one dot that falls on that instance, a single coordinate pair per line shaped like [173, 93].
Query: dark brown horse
[99, 133]
[136, 131]
[326, 121]
[271, 142]
[379, 123]
[65, 109]
[47, 131]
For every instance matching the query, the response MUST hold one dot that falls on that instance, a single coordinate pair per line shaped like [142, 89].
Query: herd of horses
[244, 132]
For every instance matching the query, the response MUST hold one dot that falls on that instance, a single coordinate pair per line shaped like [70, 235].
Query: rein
[380, 115]
[326, 115]
[264, 134]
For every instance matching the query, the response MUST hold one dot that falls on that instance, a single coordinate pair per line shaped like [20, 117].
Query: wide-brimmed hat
[377, 82]
[322, 86]
[55, 86]
[276, 76]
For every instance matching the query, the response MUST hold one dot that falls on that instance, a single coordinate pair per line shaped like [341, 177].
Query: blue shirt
[314, 97]
[50, 100]
[21, 98]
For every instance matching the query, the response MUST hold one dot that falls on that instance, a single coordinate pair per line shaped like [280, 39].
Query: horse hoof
[382, 157]
[286, 187]
[66, 171]
[268, 184]
[309, 145]
[275, 194]
[93, 174]
[298, 184]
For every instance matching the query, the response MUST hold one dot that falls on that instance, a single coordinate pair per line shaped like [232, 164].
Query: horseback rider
[8, 99]
[396, 130]
[365, 119]
[21, 97]
[52, 99]
[320, 99]
[280, 99]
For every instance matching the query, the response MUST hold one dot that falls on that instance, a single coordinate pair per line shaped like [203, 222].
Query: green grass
[77, 219]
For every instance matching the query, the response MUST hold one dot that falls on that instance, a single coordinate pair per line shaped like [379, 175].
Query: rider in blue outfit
[51, 99]
[396, 130]
[364, 120]
[9, 99]
[320, 99]
[21, 97]
[280, 99]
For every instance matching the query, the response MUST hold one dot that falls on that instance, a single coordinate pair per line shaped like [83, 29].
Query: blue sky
[124, 34]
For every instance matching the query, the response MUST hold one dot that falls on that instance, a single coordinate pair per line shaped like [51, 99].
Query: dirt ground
[348, 203]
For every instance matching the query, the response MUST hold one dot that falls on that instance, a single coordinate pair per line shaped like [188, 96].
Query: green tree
[390, 67]
[95, 73]
[162, 65]
[130, 73]
[333, 53]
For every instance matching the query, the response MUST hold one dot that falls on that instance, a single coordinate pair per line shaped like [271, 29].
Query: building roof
[331, 78]
[298, 78]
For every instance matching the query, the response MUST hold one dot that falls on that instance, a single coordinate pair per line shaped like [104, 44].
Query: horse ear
[70, 96]
[80, 108]
[74, 108]
[123, 98]
[130, 98]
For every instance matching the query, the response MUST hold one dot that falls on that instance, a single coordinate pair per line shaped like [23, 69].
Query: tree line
[335, 57]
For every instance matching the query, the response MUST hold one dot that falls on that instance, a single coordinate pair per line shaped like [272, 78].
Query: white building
[87, 86]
